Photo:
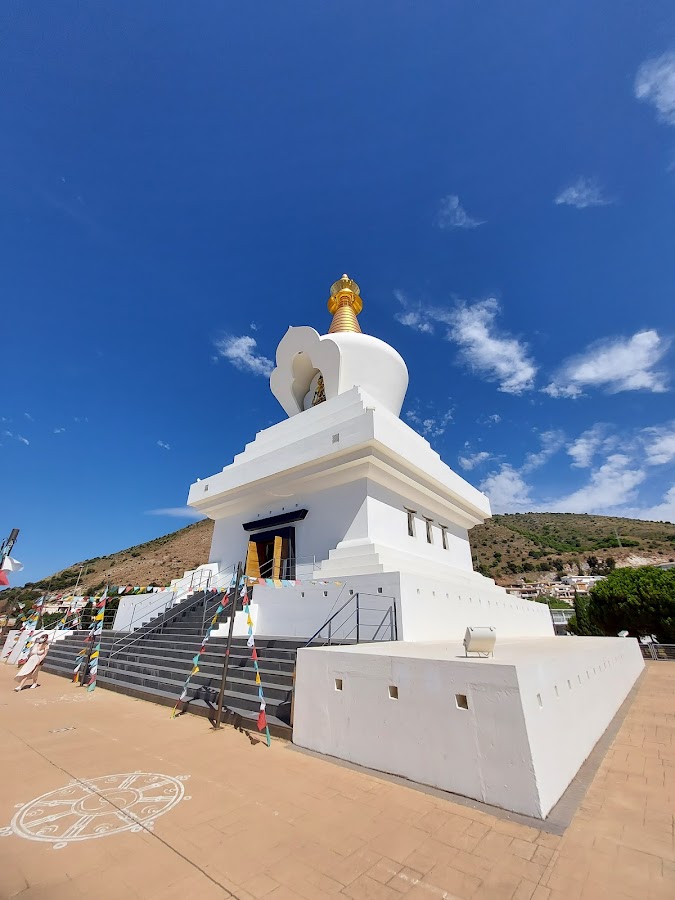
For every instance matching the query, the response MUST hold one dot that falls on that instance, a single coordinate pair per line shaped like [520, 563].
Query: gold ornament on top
[345, 304]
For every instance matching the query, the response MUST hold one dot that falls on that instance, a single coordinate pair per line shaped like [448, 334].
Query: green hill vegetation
[527, 544]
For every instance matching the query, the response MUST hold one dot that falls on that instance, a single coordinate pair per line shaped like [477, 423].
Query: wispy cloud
[453, 215]
[494, 354]
[655, 84]
[430, 423]
[59, 430]
[551, 442]
[16, 437]
[614, 364]
[497, 356]
[414, 315]
[664, 511]
[470, 462]
[659, 444]
[163, 445]
[609, 486]
[506, 487]
[508, 491]
[584, 192]
[29, 417]
[80, 419]
[176, 512]
[241, 352]
[587, 445]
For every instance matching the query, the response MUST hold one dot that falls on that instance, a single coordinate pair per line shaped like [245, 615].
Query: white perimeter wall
[442, 608]
[132, 611]
[481, 752]
[581, 690]
[427, 609]
[505, 749]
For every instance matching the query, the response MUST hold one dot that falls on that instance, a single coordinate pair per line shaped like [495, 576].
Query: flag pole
[226, 662]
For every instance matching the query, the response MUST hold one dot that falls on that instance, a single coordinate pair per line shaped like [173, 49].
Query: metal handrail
[179, 609]
[389, 613]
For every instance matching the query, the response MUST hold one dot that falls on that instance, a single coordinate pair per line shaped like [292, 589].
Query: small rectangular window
[411, 522]
[444, 537]
[430, 533]
[338, 684]
[462, 701]
[393, 692]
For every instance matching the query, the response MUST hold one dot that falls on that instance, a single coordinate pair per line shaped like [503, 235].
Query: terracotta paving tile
[278, 824]
[384, 870]
[350, 868]
[398, 842]
[260, 885]
[365, 888]
[457, 883]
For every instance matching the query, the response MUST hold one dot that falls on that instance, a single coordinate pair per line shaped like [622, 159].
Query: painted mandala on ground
[83, 810]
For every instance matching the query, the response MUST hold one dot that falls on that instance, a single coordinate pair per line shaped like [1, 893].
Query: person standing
[30, 670]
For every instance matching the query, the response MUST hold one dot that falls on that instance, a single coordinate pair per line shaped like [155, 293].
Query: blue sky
[180, 182]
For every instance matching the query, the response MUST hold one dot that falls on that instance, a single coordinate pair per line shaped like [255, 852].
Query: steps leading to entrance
[153, 663]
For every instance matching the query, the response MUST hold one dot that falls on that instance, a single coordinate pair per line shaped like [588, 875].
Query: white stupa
[358, 526]
[344, 489]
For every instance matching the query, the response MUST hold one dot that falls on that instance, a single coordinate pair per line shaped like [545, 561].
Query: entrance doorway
[271, 554]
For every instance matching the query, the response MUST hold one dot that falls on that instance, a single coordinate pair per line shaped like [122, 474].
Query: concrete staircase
[153, 662]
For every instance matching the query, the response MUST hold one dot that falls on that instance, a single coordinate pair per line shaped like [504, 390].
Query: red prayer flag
[3, 577]
[262, 720]
[254, 653]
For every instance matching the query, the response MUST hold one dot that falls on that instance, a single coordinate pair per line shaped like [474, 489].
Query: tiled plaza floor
[256, 822]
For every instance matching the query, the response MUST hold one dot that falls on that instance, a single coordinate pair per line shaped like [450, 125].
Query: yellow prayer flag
[249, 620]
[195, 670]
[257, 678]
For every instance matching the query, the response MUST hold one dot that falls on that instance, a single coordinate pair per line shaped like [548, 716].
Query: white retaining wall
[534, 713]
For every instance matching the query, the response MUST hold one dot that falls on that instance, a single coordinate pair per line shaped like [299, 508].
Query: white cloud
[496, 356]
[241, 352]
[659, 444]
[163, 445]
[616, 364]
[551, 442]
[655, 84]
[452, 215]
[29, 417]
[470, 462]
[584, 192]
[414, 315]
[507, 490]
[429, 426]
[17, 437]
[59, 430]
[610, 486]
[80, 419]
[176, 512]
[660, 512]
[584, 448]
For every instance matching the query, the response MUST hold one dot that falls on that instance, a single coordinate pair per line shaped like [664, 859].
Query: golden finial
[345, 304]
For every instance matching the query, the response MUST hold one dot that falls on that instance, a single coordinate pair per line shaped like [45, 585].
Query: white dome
[345, 360]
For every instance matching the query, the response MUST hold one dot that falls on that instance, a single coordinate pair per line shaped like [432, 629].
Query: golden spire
[345, 304]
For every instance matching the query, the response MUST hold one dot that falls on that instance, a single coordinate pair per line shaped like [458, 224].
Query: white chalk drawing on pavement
[99, 807]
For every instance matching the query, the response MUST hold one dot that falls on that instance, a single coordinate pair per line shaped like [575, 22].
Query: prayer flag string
[262, 714]
[184, 694]
[96, 638]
